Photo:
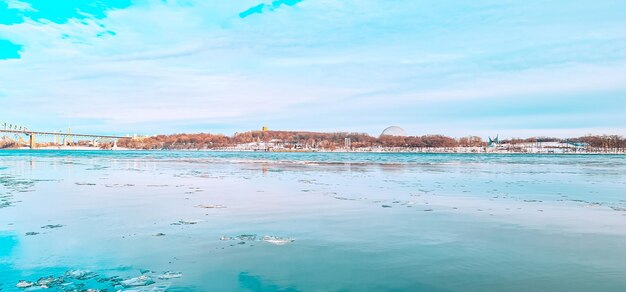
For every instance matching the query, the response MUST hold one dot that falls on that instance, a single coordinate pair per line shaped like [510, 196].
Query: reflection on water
[202, 221]
[392, 168]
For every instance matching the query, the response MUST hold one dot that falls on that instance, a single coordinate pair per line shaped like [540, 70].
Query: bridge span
[67, 137]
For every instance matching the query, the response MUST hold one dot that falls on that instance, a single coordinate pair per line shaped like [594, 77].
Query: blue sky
[517, 68]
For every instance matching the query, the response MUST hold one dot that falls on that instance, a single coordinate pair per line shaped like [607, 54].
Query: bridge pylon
[32, 144]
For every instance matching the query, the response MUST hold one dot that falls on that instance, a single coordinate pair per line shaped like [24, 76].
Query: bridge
[16, 130]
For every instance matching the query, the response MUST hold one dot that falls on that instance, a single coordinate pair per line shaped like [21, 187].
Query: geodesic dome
[394, 131]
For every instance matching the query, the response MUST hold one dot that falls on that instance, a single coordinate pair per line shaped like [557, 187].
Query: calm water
[206, 221]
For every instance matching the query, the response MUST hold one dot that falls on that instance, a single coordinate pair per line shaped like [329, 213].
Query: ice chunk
[277, 240]
[80, 274]
[189, 222]
[51, 226]
[246, 237]
[170, 275]
[24, 284]
[84, 184]
[142, 280]
[50, 281]
[211, 206]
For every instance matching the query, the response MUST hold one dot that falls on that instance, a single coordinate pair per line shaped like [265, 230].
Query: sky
[483, 67]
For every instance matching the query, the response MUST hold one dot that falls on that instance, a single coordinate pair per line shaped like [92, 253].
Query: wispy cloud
[20, 5]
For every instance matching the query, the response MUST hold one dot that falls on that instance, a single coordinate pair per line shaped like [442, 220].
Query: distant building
[393, 131]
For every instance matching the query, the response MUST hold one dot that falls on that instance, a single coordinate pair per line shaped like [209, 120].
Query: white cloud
[168, 63]
[19, 5]
[512, 85]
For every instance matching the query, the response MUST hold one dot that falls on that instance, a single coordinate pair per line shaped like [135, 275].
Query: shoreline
[340, 151]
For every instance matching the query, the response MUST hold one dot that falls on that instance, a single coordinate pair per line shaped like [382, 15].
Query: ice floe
[187, 222]
[52, 226]
[84, 184]
[246, 237]
[243, 238]
[24, 284]
[142, 280]
[80, 274]
[170, 275]
[277, 240]
[50, 281]
[211, 206]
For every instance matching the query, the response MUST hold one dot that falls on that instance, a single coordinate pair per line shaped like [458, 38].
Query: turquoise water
[233, 221]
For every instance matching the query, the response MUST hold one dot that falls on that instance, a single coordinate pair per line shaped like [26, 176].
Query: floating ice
[5, 204]
[246, 237]
[277, 240]
[243, 238]
[50, 226]
[170, 275]
[142, 280]
[24, 284]
[113, 279]
[211, 206]
[335, 196]
[50, 281]
[80, 274]
[31, 233]
[187, 222]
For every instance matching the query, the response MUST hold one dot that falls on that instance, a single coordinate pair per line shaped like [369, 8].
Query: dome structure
[394, 131]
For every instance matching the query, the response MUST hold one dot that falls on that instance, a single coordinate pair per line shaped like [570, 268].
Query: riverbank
[455, 150]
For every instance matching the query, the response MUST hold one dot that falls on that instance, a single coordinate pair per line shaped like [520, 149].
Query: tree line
[337, 140]
[333, 141]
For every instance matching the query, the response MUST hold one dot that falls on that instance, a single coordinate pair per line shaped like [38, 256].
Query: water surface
[196, 221]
